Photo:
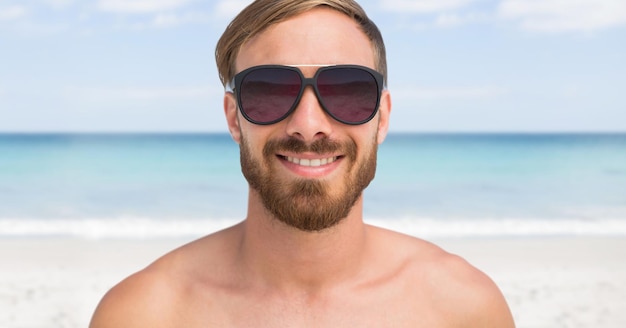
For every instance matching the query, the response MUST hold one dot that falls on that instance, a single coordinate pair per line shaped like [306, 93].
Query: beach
[552, 282]
[569, 281]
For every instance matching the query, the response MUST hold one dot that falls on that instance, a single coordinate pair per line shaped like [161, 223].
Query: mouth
[316, 162]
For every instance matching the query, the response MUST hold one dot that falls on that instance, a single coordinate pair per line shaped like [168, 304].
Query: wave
[146, 228]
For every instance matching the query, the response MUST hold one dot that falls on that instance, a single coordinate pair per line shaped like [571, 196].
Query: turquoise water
[543, 176]
[167, 184]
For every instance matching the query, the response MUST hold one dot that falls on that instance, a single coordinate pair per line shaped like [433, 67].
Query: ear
[232, 119]
[384, 112]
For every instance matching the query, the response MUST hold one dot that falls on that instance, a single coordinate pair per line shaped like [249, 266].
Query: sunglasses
[267, 94]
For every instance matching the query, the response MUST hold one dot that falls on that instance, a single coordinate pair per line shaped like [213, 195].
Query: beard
[307, 204]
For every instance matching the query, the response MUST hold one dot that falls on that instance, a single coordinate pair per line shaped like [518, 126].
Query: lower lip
[311, 171]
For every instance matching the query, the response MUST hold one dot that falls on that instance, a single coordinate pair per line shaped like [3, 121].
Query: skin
[262, 273]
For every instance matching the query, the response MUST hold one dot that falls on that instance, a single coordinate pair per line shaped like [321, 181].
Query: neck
[286, 258]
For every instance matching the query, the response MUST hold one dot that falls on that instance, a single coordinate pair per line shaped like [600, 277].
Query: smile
[311, 162]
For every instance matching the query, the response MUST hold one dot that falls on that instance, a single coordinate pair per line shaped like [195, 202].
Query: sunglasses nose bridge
[308, 82]
[309, 119]
[311, 84]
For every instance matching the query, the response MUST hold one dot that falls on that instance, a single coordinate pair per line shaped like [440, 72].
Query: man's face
[308, 170]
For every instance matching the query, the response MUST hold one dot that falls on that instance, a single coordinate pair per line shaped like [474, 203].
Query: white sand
[549, 282]
[555, 282]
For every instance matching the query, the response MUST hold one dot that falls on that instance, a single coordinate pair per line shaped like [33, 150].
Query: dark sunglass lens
[267, 94]
[349, 94]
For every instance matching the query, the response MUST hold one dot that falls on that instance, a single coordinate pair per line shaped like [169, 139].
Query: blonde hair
[261, 14]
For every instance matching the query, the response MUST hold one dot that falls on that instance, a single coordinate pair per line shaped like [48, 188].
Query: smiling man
[306, 102]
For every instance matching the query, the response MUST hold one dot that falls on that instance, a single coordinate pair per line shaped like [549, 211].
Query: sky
[454, 65]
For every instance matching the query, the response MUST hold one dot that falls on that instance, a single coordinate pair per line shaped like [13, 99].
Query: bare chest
[391, 309]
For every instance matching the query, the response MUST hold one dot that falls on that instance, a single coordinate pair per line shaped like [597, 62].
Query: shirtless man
[303, 256]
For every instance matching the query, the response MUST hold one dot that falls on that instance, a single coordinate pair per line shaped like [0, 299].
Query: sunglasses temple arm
[230, 87]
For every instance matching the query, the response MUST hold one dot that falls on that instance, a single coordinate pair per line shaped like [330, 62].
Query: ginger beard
[307, 204]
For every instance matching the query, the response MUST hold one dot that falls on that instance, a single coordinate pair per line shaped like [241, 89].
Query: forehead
[320, 36]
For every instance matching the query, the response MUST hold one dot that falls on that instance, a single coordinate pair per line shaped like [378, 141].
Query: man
[306, 103]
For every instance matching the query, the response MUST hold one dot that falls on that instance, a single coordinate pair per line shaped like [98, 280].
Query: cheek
[366, 146]
[254, 138]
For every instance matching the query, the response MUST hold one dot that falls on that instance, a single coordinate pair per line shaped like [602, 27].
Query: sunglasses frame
[235, 85]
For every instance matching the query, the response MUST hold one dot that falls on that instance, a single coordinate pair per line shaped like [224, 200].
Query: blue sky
[455, 65]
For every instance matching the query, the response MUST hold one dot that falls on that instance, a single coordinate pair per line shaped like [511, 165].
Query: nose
[309, 122]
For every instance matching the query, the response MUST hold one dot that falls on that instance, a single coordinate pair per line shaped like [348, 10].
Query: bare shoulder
[161, 294]
[466, 296]
[470, 292]
[137, 301]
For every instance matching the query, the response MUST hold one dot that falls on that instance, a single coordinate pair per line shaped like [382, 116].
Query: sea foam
[147, 228]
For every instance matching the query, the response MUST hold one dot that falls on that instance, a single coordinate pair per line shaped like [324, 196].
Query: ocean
[429, 185]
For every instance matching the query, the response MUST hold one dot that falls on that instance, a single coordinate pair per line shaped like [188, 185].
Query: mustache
[320, 146]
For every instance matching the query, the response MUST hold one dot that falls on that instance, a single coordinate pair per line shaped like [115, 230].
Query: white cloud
[137, 93]
[564, 15]
[166, 20]
[454, 20]
[228, 9]
[423, 6]
[59, 3]
[447, 93]
[139, 6]
[172, 20]
[23, 21]
[439, 13]
[27, 28]
[14, 12]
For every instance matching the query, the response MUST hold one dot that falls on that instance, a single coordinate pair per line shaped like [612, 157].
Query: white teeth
[311, 162]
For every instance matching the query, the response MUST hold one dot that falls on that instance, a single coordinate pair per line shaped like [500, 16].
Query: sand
[548, 281]
[556, 282]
